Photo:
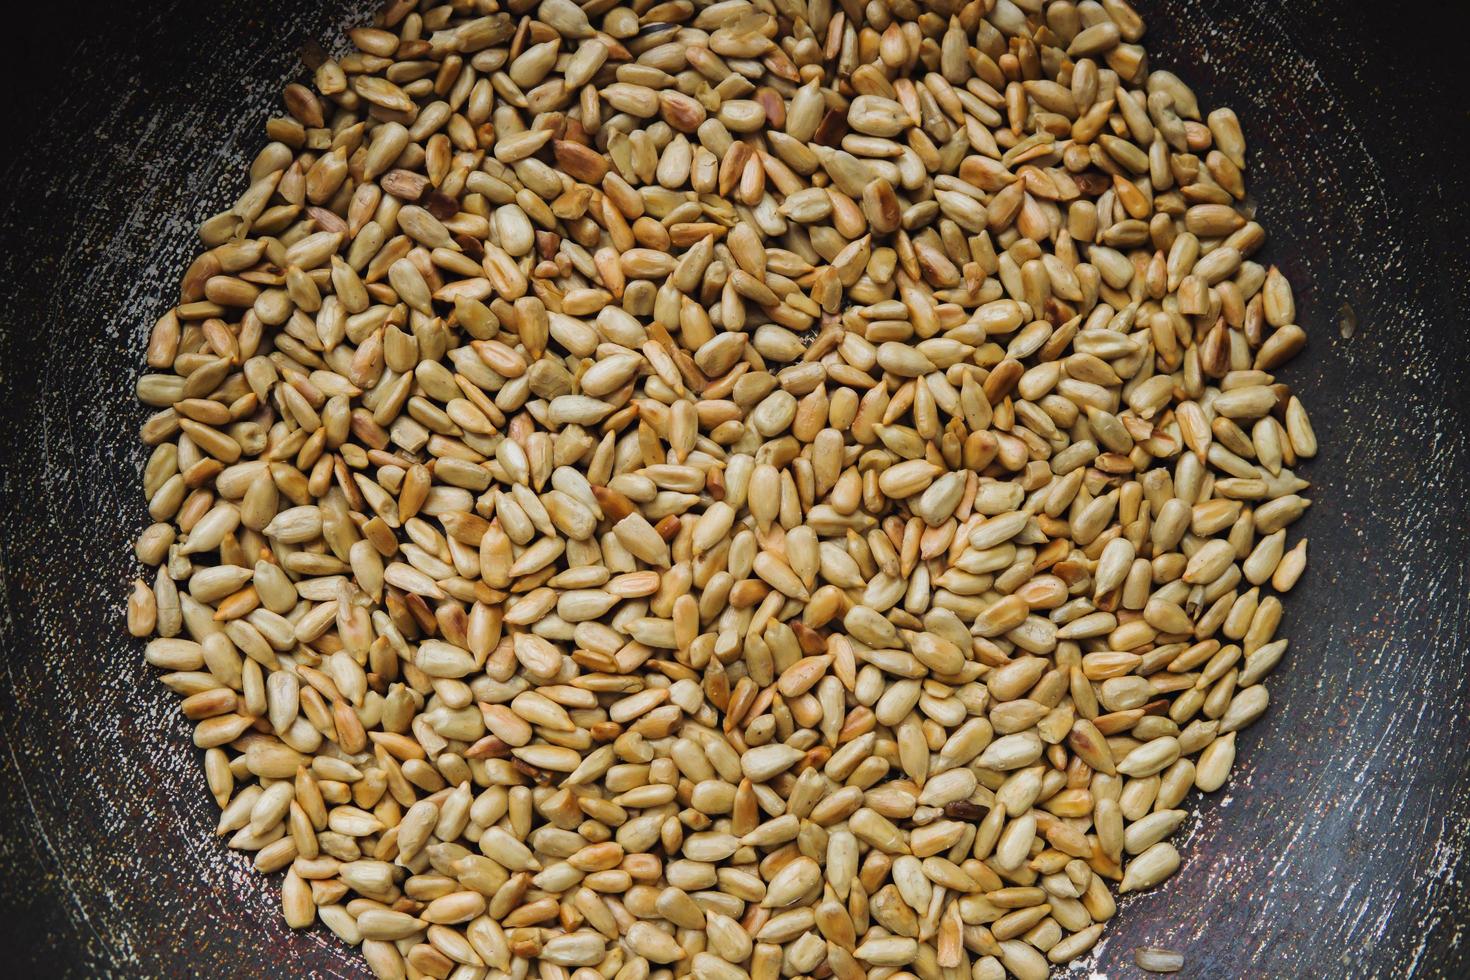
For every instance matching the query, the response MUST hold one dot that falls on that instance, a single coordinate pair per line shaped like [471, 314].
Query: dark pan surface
[1338, 850]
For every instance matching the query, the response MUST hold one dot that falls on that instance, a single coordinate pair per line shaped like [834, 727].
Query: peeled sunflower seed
[1156, 959]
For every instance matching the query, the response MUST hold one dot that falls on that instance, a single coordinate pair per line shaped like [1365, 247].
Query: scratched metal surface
[1338, 850]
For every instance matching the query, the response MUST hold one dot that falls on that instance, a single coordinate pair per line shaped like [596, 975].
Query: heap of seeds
[761, 488]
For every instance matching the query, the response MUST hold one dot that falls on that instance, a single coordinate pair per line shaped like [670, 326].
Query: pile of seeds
[754, 488]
